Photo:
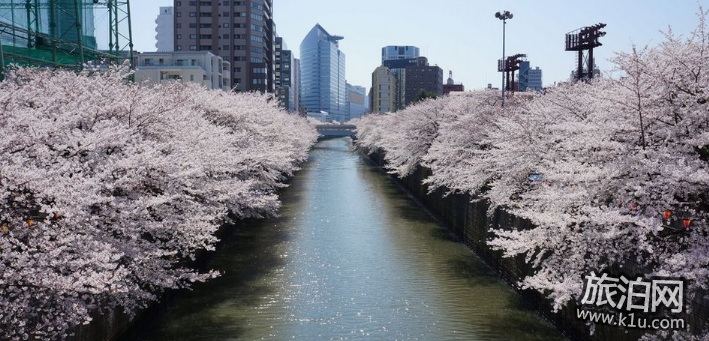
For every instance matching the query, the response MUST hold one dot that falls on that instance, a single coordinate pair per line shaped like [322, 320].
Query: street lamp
[503, 15]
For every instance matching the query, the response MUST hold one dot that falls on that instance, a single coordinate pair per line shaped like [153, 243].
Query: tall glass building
[322, 74]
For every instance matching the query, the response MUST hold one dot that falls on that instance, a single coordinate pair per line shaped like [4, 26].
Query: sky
[463, 35]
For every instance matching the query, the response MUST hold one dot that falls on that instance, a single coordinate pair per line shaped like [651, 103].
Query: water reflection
[350, 258]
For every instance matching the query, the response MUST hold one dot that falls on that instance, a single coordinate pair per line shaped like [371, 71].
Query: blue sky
[463, 35]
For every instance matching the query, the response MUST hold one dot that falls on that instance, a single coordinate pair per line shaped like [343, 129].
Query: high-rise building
[397, 67]
[322, 74]
[296, 84]
[284, 75]
[422, 77]
[399, 52]
[241, 32]
[529, 79]
[383, 90]
[165, 28]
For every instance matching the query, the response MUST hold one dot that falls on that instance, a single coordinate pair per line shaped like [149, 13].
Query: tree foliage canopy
[108, 189]
[593, 166]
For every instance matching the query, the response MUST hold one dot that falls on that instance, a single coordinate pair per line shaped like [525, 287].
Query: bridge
[336, 130]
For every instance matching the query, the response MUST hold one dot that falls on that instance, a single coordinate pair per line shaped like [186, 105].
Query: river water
[351, 257]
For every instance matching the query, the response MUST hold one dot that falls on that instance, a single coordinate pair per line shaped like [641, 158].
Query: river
[351, 257]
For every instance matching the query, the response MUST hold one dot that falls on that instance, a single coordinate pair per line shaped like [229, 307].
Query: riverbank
[470, 224]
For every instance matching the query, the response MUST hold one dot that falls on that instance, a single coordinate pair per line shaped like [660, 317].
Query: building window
[257, 6]
[205, 14]
[225, 47]
[205, 36]
[205, 25]
[225, 3]
[259, 70]
[179, 25]
[192, 78]
[256, 49]
[225, 36]
[225, 14]
[226, 25]
[179, 36]
[257, 81]
[193, 36]
[205, 3]
[193, 14]
[205, 47]
[178, 14]
[179, 47]
[257, 39]
[178, 3]
[193, 47]
[193, 3]
[256, 60]
[193, 25]
[256, 16]
[257, 28]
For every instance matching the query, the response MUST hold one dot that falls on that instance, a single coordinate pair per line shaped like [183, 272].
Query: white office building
[201, 67]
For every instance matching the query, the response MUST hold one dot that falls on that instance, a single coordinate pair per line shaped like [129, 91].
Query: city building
[240, 32]
[296, 85]
[202, 67]
[284, 75]
[399, 52]
[165, 28]
[356, 101]
[422, 77]
[397, 67]
[528, 78]
[450, 85]
[322, 74]
[383, 90]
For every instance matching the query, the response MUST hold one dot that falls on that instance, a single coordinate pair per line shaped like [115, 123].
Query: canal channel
[351, 257]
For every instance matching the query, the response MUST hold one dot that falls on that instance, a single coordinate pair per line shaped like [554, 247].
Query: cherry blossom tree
[594, 166]
[109, 189]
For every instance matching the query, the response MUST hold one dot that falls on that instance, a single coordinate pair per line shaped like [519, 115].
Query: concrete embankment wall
[469, 222]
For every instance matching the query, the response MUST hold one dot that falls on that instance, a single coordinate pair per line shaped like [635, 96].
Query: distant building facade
[165, 28]
[284, 75]
[399, 52]
[383, 90]
[422, 77]
[450, 85]
[528, 78]
[203, 68]
[357, 101]
[240, 32]
[322, 74]
[296, 85]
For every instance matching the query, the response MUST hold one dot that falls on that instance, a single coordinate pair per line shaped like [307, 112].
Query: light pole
[503, 15]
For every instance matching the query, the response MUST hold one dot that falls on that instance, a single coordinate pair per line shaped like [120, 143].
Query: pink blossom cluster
[108, 188]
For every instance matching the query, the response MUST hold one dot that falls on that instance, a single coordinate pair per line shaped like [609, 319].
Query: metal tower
[584, 39]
